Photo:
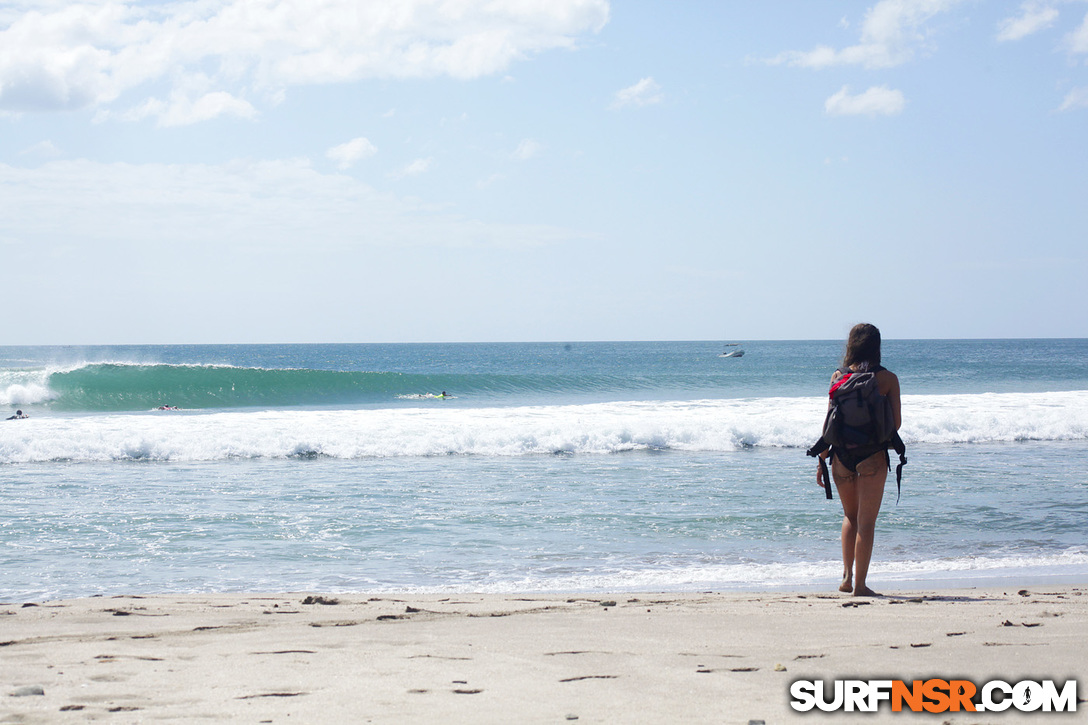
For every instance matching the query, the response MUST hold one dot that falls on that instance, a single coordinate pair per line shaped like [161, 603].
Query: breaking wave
[591, 429]
[115, 387]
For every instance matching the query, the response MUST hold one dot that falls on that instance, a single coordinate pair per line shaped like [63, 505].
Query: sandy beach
[647, 658]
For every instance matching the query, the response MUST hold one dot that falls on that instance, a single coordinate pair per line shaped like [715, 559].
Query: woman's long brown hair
[863, 346]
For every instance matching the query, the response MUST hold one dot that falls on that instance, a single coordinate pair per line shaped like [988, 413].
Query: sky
[237, 171]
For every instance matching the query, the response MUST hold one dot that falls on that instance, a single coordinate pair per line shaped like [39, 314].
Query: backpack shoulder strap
[844, 375]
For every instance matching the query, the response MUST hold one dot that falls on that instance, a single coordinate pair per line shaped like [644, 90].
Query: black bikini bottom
[851, 457]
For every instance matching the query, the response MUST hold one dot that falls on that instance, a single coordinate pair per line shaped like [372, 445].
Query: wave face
[205, 377]
[112, 387]
[591, 429]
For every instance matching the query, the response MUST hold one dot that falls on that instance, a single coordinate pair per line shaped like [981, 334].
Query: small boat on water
[735, 352]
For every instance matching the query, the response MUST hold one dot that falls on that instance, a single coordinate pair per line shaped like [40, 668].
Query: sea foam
[591, 429]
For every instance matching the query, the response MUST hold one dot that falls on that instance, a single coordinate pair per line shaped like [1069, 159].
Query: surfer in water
[19, 415]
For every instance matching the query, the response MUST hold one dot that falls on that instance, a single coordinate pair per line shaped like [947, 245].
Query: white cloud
[891, 32]
[183, 110]
[643, 93]
[1033, 18]
[58, 56]
[877, 101]
[484, 183]
[219, 209]
[347, 154]
[417, 167]
[1076, 98]
[47, 149]
[527, 149]
[1077, 41]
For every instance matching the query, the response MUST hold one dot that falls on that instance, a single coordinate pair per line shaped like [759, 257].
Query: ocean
[547, 467]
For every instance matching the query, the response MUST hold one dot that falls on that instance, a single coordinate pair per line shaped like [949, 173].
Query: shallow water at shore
[641, 520]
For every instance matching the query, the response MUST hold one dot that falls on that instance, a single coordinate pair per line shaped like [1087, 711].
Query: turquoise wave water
[142, 377]
[114, 387]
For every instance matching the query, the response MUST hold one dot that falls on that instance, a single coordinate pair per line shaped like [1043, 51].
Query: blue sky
[488, 170]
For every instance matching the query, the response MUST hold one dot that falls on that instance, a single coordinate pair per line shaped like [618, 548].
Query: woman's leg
[846, 484]
[872, 474]
[861, 494]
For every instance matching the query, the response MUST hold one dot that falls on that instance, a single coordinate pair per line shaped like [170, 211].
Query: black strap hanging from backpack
[815, 451]
[897, 444]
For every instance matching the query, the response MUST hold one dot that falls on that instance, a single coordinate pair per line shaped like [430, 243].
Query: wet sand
[624, 658]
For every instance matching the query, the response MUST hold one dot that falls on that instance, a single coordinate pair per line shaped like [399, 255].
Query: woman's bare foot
[865, 592]
[847, 585]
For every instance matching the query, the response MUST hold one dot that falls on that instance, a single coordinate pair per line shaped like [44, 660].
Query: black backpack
[859, 417]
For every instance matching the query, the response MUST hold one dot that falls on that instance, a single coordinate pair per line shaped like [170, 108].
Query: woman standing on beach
[860, 473]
